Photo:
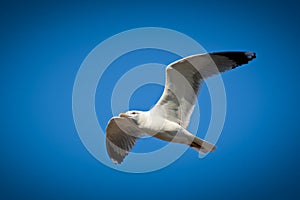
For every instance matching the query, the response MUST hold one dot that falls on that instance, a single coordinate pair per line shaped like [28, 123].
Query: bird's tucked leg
[202, 146]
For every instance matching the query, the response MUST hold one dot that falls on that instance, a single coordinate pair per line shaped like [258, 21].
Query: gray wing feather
[121, 136]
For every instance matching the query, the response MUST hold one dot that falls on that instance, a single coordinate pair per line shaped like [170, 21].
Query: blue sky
[42, 47]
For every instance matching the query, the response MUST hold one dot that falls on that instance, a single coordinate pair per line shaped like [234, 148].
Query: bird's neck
[146, 120]
[143, 118]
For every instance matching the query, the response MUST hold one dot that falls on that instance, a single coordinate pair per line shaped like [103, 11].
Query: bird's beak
[124, 115]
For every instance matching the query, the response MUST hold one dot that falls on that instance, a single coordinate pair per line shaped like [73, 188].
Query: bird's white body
[162, 128]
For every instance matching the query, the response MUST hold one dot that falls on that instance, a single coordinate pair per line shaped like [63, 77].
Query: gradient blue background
[42, 47]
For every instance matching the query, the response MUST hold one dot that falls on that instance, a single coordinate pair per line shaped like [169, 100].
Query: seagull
[169, 118]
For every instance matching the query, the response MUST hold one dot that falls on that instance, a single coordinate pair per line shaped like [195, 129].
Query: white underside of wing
[183, 82]
[181, 89]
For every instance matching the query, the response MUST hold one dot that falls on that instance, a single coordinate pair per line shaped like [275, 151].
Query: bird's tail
[202, 146]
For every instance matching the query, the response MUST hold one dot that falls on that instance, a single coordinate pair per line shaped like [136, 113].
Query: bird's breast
[159, 125]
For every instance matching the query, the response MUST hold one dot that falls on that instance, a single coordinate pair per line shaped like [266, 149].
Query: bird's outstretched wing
[184, 78]
[121, 136]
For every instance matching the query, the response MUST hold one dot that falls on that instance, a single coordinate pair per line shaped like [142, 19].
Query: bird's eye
[133, 113]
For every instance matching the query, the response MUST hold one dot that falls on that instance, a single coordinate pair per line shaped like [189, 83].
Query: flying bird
[168, 119]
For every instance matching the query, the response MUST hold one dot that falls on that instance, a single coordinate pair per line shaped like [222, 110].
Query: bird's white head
[134, 114]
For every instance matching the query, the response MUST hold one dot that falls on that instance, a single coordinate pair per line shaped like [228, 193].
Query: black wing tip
[250, 55]
[239, 57]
